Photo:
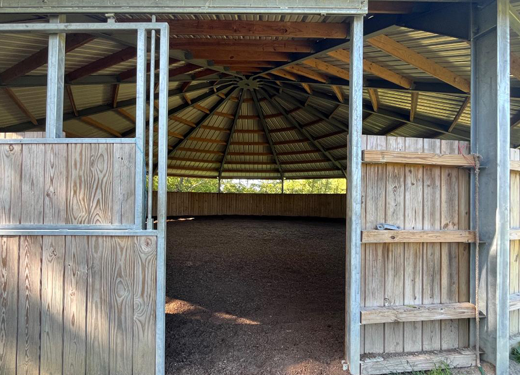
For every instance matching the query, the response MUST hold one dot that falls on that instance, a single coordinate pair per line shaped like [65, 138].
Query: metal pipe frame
[353, 255]
[490, 138]
[149, 223]
[140, 126]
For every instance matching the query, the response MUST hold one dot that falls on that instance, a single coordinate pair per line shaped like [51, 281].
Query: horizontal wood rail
[514, 165]
[376, 364]
[400, 236]
[400, 157]
[514, 301]
[417, 313]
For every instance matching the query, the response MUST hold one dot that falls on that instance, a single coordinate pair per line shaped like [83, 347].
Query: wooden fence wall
[306, 205]
[67, 183]
[81, 305]
[415, 197]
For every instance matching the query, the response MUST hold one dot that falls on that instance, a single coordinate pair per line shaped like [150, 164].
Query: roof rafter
[303, 131]
[231, 131]
[16, 100]
[398, 50]
[266, 131]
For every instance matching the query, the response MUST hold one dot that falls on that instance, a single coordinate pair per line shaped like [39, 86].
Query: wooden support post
[490, 138]
[55, 82]
[353, 257]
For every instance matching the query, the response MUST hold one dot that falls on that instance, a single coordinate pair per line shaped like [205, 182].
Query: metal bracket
[384, 226]
[345, 365]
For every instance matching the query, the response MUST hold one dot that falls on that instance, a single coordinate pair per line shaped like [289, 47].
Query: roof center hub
[248, 84]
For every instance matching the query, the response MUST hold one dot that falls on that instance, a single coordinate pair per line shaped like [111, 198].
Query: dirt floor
[255, 296]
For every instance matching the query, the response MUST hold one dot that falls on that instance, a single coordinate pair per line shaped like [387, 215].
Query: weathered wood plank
[33, 183]
[55, 194]
[145, 255]
[9, 249]
[78, 197]
[75, 305]
[10, 193]
[374, 253]
[123, 206]
[29, 302]
[460, 358]
[100, 183]
[413, 195]
[456, 160]
[98, 304]
[428, 236]
[417, 313]
[431, 339]
[449, 251]
[394, 260]
[52, 305]
[514, 302]
[121, 304]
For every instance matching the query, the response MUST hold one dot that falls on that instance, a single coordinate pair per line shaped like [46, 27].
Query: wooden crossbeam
[404, 236]
[514, 165]
[20, 105]
[459, 114]
[296, 69]
[252, 63]
[314, 161]
[183, 121]
[39, 58]
[328, 68]
[398, 50]
[374, 99]
[514, 301]
[291, 142]
[375, 69]
[401, 157]
[250, 154]
[258, 28]
[338, 92]
[214, 128]
[417, 313]
[184, 69]
[307, 88]
[206, 140]
[285, 74]
[250, 143]
[103, 63]
[243, 44]
[90, 121]
[200, 151]
[413, 105]
[240, 55]
[70, 95]
[194, 160]
[170, 133]
[283, 130]
[127, 115]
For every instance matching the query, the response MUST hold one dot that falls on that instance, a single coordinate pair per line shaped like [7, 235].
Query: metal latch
[384, 226]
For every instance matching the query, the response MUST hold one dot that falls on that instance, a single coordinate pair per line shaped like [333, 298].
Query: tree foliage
[203, 185]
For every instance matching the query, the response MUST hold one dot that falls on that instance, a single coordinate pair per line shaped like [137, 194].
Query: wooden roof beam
[103, 63]
[232, 131]
[245, 44]
[374, 98]
[40, 58]
[301, 71]
[413, 105]
[70, 95]
[20, 105]
[339, 93]
[96, 124]
[240, 55]
[328, 68]
[315, 30]
[398, 50]
[459, 114]
[375, 69]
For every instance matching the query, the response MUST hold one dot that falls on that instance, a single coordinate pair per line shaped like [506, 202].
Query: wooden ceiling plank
[315, 30]
[398, 50]
[375, 69]
[251, 63]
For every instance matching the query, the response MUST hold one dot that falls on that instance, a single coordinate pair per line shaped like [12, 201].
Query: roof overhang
[336, 7]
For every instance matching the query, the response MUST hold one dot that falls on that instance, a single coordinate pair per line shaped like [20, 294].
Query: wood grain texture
[100, 183]
[75, 305]
[98, 308]
[417, 313]
[51, 335]
[10, 193]
[29, 302]
[420, 158]
[33, 183]
[8, 303]
[427, 236]
[78, 198]
[144, 305]
[124, 184]
[56, 180]
[121, 304]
